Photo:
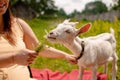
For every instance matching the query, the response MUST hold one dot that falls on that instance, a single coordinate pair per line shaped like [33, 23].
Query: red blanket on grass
[47, 74]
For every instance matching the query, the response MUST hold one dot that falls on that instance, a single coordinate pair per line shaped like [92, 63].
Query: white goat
[91, 51]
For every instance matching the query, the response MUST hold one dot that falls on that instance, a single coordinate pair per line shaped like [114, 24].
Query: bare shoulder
[23, 24]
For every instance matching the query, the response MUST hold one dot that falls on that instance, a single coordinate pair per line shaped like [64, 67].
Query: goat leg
[81, 70]
[94, 72]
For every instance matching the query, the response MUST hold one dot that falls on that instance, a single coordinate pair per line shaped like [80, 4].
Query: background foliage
[47, 7]
[95, 8]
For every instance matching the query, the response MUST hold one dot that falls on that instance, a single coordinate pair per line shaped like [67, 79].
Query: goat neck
[75, 47]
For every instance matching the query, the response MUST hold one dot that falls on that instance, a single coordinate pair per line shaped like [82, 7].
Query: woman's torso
[14, 72]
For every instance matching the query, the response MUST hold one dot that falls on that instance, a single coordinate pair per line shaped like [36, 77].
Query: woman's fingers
[71, 59]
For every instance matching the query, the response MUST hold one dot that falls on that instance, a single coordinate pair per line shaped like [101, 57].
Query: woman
[15, 34]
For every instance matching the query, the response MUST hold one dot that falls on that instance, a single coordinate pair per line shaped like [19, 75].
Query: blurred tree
[74, 13]
[43, 7]
[61, 13]
[95, 8]
[116, 6]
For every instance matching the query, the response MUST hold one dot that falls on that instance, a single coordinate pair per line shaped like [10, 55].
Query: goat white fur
[98, 49]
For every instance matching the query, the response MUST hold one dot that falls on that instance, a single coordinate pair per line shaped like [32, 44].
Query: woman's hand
[24, 57]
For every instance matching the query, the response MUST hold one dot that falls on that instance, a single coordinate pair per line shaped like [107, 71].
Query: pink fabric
[47, 74]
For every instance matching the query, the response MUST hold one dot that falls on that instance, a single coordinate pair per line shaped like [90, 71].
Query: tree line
[47, 7]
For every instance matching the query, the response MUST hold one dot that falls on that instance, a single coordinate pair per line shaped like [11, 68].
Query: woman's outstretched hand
[71, 59]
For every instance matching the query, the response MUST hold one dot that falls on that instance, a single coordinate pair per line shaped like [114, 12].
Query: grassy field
[40, 27]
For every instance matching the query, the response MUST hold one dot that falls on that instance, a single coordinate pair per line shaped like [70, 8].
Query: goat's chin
[52, 40]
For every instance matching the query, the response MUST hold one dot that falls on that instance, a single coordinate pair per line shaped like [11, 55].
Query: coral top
[13, 72]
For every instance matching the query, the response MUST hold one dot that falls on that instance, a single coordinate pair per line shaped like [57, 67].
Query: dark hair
[7, 19]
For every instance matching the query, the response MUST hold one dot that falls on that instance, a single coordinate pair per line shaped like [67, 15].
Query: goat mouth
[51, 37]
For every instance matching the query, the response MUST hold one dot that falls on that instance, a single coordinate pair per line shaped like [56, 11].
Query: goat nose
[51, 33]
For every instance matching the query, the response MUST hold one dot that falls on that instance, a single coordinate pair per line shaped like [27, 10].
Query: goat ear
[74, 23]
[66, 20]
[83, 29]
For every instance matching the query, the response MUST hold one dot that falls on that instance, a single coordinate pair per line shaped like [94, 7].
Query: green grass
[41, 26]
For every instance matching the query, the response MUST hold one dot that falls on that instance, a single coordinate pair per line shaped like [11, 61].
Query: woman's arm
[51, 52]
[29, 37]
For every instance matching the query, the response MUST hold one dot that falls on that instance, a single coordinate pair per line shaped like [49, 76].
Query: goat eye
[67, 31]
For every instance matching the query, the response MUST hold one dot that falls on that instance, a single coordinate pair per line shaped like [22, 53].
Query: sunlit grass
[40, 27]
